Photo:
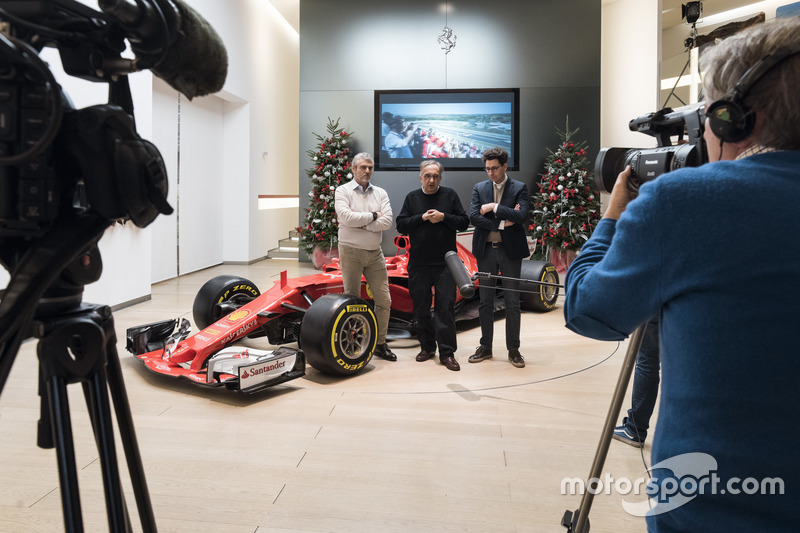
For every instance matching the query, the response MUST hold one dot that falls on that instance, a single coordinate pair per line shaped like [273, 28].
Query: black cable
[42, 30]
[499, 387]
[29, 57]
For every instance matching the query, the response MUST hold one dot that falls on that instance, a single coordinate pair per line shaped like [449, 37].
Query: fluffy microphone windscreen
[197, 62]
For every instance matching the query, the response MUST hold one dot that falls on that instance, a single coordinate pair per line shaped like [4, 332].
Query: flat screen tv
[456, 125]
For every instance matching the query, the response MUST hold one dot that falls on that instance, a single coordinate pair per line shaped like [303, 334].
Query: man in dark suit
[498, 211]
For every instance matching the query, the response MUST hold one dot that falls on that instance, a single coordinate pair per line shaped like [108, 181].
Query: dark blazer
[515, 243]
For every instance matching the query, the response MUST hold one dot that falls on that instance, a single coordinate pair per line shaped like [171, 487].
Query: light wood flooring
[402, 447]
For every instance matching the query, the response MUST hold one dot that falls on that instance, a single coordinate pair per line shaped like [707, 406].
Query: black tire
[233, 291]
[339, 334]
[535, 297]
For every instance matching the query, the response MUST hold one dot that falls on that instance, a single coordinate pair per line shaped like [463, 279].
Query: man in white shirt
[364, 213]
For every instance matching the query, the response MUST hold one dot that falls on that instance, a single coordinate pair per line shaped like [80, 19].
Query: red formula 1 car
[336, 333]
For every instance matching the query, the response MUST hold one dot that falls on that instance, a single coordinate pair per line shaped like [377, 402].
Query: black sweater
[429, 241]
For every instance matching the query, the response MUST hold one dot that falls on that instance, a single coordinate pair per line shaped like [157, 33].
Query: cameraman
[713, 251]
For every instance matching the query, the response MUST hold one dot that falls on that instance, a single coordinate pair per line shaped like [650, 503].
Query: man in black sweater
[431, 217]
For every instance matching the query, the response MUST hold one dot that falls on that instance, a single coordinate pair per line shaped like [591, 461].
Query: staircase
[287, 248]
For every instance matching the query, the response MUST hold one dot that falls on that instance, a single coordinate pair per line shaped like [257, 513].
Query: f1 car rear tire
[339, 334]
[536, 297]
[233, 290]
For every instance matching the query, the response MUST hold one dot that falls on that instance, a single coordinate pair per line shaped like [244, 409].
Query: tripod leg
[56, 390]
[580, 519]
[96, 390]
[129, 442]
[113, 380]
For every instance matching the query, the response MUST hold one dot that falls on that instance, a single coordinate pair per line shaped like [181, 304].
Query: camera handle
[578, 521]
[80, 347]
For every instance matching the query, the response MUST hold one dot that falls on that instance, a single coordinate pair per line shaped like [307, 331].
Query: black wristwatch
[374, 216]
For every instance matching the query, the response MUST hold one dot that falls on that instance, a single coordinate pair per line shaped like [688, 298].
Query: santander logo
[253, 372]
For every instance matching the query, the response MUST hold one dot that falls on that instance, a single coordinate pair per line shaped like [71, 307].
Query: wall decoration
[447, 39]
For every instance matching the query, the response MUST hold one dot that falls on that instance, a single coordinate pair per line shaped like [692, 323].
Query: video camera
[55, 160]
[686, 124]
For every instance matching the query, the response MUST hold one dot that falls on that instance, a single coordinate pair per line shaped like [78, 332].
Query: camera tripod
[578, 521]
[76, 344]
[690, 43]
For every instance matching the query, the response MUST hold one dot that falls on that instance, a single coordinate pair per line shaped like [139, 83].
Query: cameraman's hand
[619, 195]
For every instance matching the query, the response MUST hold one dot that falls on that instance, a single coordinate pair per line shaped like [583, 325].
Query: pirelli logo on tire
[339, 334]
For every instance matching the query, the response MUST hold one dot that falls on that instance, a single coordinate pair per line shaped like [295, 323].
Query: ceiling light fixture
[692, 11]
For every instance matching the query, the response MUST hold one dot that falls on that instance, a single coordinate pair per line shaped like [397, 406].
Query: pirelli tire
[232, 290]
[536, 297]
[339, 334]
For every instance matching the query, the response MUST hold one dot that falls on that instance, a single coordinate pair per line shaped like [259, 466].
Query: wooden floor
[402, 447]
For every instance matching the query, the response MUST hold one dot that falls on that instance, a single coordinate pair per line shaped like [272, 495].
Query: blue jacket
[714, 251]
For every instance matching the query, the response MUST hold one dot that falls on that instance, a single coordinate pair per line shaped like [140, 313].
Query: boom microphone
[460, 274]
[174, 42]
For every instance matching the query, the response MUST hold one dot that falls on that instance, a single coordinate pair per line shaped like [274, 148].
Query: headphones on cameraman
[732, 120]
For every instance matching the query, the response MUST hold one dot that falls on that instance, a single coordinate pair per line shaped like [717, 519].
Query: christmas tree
[332, 167]
[566, 207]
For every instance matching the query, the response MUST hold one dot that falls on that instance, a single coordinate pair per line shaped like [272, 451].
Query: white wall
[263, 96]
[629, 83]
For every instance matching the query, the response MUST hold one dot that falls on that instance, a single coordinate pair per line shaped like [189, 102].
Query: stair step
[278, 253]
[288, 248]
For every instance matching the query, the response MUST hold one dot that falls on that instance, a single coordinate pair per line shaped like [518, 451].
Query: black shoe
[623, 434]
[424, 355]
[516, 359]
[451, 363]
[480, 354]
[383, 351]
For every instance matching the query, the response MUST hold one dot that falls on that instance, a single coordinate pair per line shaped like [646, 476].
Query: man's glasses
[491, 169]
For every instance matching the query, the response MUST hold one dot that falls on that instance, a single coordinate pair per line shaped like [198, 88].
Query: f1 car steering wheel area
[338, 335]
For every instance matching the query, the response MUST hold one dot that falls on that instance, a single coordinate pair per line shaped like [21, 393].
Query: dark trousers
[495, 261]
[441, 326]
[646, 378]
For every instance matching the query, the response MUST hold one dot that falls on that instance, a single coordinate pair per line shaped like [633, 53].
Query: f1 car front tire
[220, 296]
[339, 334]
[536, 297]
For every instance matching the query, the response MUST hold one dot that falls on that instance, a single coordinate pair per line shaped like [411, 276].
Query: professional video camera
[679, 134]
[66, 175]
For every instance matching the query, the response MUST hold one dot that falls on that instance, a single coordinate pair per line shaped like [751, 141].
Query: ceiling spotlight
[692, 11]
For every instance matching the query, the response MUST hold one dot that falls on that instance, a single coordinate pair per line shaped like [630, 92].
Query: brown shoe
[451, 363]
[424, 355]
[516, 358]
[383, 351]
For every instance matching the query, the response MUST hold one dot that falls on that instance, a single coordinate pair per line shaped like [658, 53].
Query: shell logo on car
[238, 315]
